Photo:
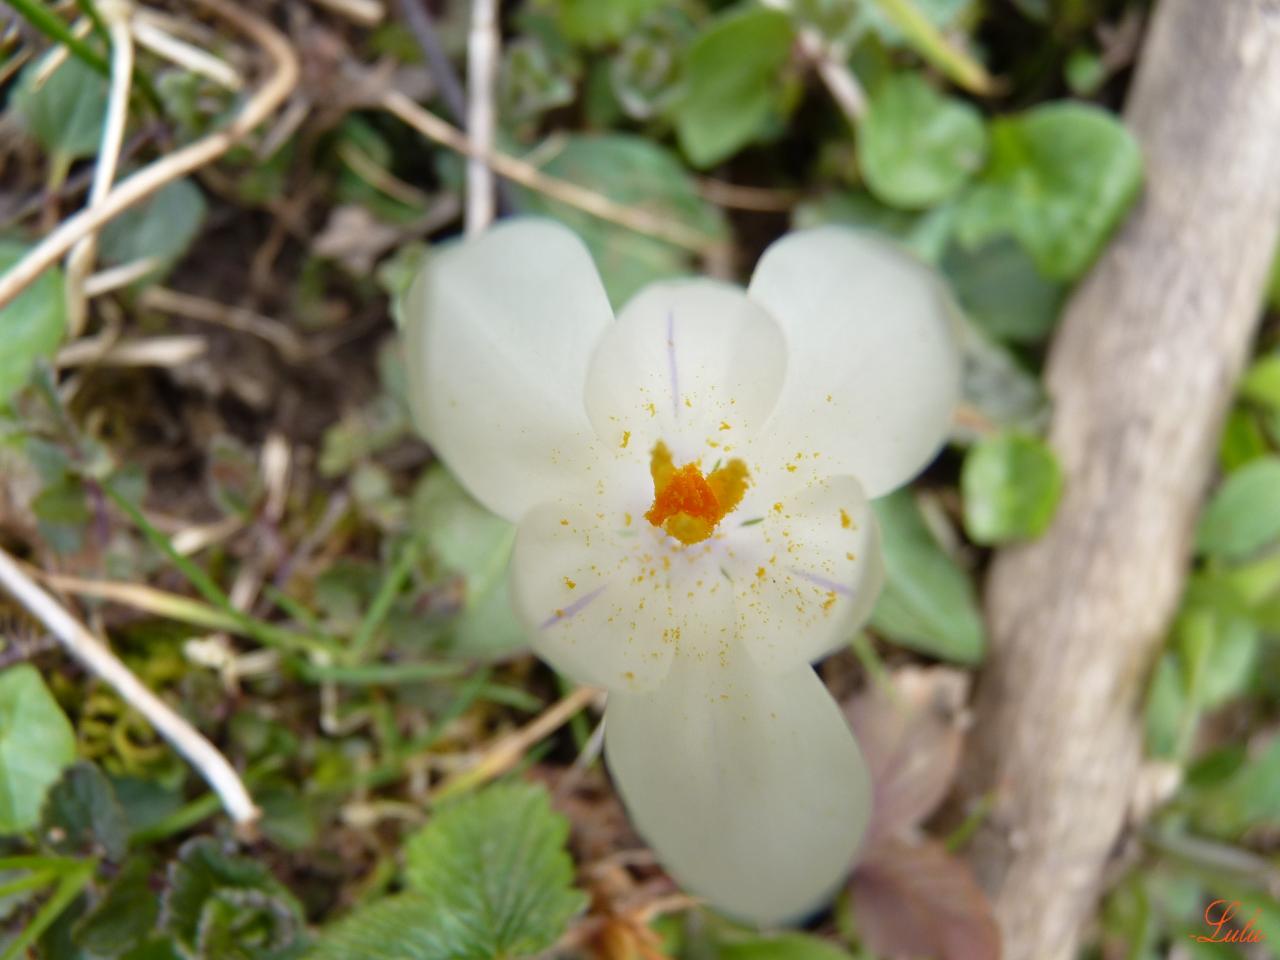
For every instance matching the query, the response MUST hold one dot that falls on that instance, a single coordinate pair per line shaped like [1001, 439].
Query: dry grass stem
[596, 204]
[98, 658]
[134, 189]
[482, 72]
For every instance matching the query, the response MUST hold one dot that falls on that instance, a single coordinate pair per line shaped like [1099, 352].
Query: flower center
[688, 505]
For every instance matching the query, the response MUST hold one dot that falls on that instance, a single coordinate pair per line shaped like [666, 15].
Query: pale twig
[178, 164]
[378, 177]
[58, 55]
[739, 197]
[113, 278]
[147, 352]
[188, 56]
[80, 262]
[234, 318]
[482, 71]
[506, 752]
[368, 13]
[596, 204]
[829, 59]
[99, 659]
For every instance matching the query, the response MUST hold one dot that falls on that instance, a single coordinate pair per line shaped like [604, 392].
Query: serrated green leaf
[125, 915]
[916, 147]
[36, 745]
[163, 227]
[1060, 178]
[928, 603]
[82, 815]
[1003, 292]
[639, 173]
[732, 87]
[1011, 484]
[1244, 515]
[31, 326]
[66, 113]
[494, 868]
[403, 927]
[228, 904]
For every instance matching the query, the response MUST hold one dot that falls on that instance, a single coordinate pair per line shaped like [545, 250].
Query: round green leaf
[36, 744]
[1244, 514]
[1000, 288]
[731, 84]
[67, 111]
[917, 147]
[162, 227]
[31, 325]
[1011, 484]
[1060, 179]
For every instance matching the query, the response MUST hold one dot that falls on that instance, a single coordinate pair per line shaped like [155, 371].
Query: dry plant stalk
[482, 73]
[139, 186]
[1141, 373]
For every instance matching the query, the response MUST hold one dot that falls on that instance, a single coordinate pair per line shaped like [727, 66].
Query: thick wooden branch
[1141, 373]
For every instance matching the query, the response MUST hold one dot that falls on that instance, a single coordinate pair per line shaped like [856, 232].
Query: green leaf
[36, 745]
[594, 23]
[928, 603]
[1249, 798]
[996, 385]
[917, 147]
[469, 540]
[1242, 440]
[163, 227]
[1244, 515]
[637, 172]
[66, 113]
[1273, 286]
[1261, 382]
[787, 946]
[230, 907]
[82, 815]
[403, 927]
[494, 868]
[125, 916]
[1002, 291]
[1011, 484]
[1060, 179]
[732, 84]
[31, 326]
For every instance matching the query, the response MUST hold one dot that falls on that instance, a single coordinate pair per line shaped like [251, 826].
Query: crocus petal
[874, 370]
[749, 787]
[807, 572]
[693, 363]
[499, 330]
[609, 602]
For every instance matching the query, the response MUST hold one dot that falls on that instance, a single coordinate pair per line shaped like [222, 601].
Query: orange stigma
[688, 505]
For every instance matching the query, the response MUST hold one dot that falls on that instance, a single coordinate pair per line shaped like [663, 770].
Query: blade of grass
[379, 674]
[265, 633]
[388, 590]
[69, 887]
[50, 24]
[933, 45]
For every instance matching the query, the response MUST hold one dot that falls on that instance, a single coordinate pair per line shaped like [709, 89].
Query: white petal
[608, 599]
[749, 787]
[694, 363]
[807, 575]
[499, 330]
[874, 368]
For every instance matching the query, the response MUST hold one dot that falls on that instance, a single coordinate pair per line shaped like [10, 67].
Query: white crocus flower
[690, 482]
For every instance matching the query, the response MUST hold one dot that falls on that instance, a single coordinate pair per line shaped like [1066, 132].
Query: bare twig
[235, 318]
[506, 752]
[482, 71]
[80, 262]
[95, 655]
[188, 56]
[596, 204]
[146, 352]
[829, 59]
[446, 80]
[368, 13]
[181, 162]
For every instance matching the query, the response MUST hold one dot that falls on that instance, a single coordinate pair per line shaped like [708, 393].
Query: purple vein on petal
[572, 609]
[671, 362]
[826, 583]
